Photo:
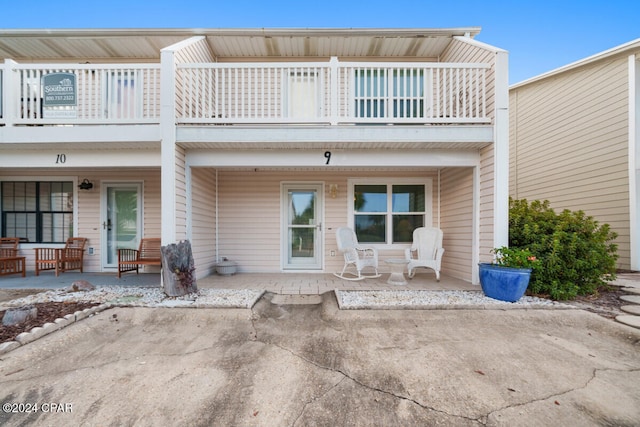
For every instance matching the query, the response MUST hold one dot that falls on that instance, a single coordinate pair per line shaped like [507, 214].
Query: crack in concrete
[557, 395]
[313, 400]
[368, 387]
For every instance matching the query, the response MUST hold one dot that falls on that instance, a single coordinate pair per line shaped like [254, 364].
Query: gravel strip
[146, 297]
[441, 300]
[246, 298]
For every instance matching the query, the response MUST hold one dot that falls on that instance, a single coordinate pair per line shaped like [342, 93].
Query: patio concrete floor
[278, 283]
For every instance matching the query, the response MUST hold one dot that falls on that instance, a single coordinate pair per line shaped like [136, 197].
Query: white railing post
[334, 90]
[9, 111]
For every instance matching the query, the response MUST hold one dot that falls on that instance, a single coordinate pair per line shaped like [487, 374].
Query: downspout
[439, 197]
[514, 112]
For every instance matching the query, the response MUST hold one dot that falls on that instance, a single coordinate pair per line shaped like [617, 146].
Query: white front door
[302, 226]
[121, 215]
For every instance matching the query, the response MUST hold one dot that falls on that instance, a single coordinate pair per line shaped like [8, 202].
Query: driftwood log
[178, 269]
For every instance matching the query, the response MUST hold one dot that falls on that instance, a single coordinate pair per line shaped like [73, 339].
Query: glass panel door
[303, 226]
[122, 220]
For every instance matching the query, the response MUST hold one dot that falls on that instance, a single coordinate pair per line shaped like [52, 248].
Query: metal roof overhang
[144, 45]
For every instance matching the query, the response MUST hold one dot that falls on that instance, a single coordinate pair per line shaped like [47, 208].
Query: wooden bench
[10, 262]
[71, 257]
[148, 253]
[14, 265]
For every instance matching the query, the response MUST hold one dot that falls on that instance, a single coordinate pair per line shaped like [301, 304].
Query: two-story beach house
[254, 144]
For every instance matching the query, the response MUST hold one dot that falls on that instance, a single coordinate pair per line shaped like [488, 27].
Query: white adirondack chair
[426, 250]
[355, 256]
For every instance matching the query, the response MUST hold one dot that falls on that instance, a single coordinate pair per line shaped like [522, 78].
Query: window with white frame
[37, 211]
[397, 93]
[387, 212]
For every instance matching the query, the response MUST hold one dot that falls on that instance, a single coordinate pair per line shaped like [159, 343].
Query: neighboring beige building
[254, 144]
[575, 141]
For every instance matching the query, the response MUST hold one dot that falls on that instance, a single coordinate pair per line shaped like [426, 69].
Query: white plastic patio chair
[355, 256]
[426, 250]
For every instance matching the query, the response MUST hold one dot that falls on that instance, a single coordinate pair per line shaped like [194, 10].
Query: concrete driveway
[296, 365]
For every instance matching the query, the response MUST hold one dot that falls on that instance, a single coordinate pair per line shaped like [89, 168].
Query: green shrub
[576, 254]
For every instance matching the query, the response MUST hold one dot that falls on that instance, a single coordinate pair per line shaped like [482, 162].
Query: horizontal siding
[569, 144]
[203, 223]
[181, 194]
[487, 195]
[459, 51]
[457, 221]
[250, 217]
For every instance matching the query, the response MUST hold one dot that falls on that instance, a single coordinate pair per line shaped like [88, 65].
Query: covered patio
[279, 283]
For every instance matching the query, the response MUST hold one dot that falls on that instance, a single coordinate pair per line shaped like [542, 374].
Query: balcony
[328, 93]
[332, 93]
[97, 94]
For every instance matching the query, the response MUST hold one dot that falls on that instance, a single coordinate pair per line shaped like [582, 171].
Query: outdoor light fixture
[85, 185]
[333, 191]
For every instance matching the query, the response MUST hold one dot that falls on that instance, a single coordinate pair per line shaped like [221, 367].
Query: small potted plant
[507, 278]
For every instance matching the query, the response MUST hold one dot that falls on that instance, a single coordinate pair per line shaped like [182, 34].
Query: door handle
[107, 225]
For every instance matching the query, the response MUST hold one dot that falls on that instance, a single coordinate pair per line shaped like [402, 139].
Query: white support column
[168, 145]
[168, 156]
[334, 92]
[634, 161]
[501, 151]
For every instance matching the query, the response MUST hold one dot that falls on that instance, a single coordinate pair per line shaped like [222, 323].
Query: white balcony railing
[333, 92]
[103, 94]
[330, 92]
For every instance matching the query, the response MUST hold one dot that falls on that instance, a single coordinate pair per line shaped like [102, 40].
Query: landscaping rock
[13, 316]
[80, 285]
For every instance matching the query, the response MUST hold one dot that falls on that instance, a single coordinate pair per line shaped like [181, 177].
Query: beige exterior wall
[89, 206]
[569, 144]
[487, 202]
[197, 52]
[249, 209]
[456, 187]
[464, 52]
[181, 194]
[203, 220]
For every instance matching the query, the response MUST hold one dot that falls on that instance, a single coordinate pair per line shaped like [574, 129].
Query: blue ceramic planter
[504, 283]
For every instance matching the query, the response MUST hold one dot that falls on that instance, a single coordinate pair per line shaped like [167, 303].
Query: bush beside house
[577, 254]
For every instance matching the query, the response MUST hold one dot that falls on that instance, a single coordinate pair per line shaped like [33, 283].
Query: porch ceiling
[335, 145]
[459, 137]
[227, 44]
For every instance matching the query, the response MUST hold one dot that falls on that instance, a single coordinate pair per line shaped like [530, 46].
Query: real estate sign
[60, 95]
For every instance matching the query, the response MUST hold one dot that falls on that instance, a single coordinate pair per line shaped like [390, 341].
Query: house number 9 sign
[327, 155]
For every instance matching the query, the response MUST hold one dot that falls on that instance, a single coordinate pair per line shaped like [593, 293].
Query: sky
[539, 35]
